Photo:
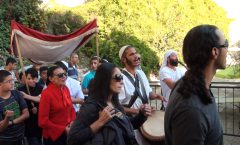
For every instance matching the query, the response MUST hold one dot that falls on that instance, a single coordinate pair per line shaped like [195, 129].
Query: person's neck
[5, 94]
[171, 67]
[56, 85]
[131, 70]
[7, 68]
[73, 64]
[209, 73]
[109, 101]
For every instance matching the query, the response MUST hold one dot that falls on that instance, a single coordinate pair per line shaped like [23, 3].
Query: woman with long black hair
[101, 119]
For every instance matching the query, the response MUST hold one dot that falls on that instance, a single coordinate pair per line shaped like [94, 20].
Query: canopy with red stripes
[45, 48]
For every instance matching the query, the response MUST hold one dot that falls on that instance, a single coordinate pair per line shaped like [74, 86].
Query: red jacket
[55, 111]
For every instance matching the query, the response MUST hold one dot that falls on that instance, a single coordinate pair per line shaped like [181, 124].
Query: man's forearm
[4, 124]
[23, 117]
[131, 111]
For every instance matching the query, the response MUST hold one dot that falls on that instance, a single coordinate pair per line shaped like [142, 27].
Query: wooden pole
[97, 47]
[21, 63]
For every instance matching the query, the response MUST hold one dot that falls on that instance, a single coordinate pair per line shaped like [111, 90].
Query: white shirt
[168, 73]
[128, 89]
[75, 91]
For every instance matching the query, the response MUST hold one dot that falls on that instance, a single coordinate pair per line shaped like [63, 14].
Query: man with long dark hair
[191, 117]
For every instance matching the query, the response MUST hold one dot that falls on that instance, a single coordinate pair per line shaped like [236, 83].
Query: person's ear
[215, 52]
[124, 59]
[50, 79]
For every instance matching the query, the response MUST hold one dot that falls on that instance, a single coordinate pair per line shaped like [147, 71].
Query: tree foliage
[152, 26]
[26, 12]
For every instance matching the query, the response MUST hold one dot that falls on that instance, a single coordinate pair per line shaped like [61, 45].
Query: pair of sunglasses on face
[118, 77]
[61, 75]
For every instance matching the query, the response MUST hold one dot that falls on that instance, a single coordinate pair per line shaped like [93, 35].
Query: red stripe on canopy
[45, 48]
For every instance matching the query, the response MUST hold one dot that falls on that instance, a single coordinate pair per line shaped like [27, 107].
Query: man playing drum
[136, 91]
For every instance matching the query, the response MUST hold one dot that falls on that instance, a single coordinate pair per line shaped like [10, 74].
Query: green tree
[157, 25]
[26, 12]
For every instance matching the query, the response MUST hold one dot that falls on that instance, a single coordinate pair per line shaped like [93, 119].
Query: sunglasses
[118, 77]
[225, 45]
[61, 75]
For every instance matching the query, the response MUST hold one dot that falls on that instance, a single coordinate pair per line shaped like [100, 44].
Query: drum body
[153, 127]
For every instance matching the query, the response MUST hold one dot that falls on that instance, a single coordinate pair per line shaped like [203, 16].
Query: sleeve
[21, 101]
[164, 74]
[79, 92]
[85, 82]
[43, 119]
[80, 131]
[122, 95]
[189, 127]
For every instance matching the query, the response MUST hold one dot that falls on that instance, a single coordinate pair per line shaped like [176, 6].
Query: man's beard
[129, 63]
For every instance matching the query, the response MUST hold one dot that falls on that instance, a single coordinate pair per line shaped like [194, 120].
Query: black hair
[100, 88]
[32, 72]
[20, 75]
[74, 53]
[10, 60]
[95, 58]
[103, 61]
[197, 52]
[43, 68]
[50, 72]
[62, 65]
[3, 75]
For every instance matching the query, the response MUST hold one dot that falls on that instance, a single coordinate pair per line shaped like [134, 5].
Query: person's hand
[24, 94]
[8, 114]
[159, 97]
[146, 109]
[67, 129]
[106, 114]
[34, 110]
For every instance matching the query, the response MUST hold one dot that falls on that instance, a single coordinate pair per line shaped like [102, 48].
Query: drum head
[153, 128]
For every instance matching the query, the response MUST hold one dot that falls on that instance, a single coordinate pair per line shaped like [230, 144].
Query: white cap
[121, 51]
[65, 63]
[166, 55]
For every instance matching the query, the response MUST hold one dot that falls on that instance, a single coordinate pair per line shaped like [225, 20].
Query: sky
[69, 3]
[232, 8]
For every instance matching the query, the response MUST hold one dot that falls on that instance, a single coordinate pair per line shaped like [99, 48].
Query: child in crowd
[13, 111]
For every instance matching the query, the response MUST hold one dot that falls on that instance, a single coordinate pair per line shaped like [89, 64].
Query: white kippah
[121, 51]
[65, 63]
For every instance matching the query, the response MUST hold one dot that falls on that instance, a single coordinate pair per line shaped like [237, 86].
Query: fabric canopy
[45, 48]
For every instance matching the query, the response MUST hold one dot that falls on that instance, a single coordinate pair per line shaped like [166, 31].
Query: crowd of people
[50, 105]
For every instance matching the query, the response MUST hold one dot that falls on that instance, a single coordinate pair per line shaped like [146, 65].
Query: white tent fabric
[44, 48]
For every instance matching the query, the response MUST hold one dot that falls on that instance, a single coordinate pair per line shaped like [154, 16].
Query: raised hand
[146, 109]
[106, 114]
[9, 114]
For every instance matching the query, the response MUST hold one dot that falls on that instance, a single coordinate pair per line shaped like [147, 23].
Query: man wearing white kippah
[136, 92]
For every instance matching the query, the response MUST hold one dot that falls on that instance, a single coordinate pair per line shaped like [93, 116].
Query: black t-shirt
[188, 121]
[15, 103]
[32, 129]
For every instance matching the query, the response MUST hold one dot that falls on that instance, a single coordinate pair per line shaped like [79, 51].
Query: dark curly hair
[197, 49]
